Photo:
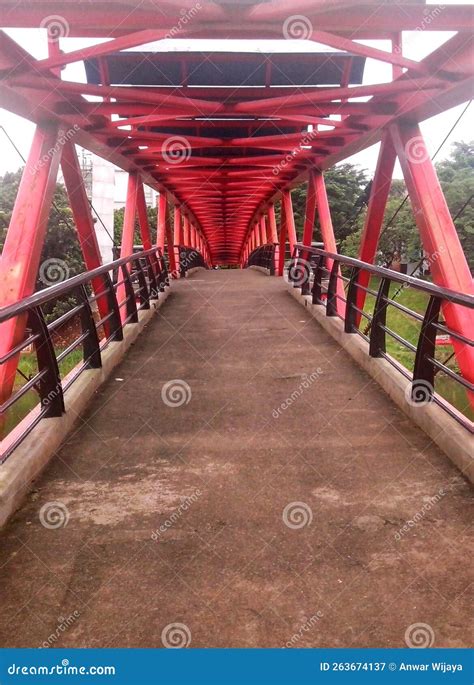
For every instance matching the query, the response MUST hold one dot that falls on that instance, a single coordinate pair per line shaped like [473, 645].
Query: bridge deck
[227, 566]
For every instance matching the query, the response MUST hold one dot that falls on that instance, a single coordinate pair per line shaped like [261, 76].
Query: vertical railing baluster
[131, 306]
[350, 319]
[317, 282]
[424, 370]
[116, 330]
[331, 299]
[377, 332]
[90, 345]
[49, 387]
[143, 292]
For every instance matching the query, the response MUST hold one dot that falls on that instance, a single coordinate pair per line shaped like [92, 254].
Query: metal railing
[189, 258]
[103, 301]
[263, 256]
[334, 281]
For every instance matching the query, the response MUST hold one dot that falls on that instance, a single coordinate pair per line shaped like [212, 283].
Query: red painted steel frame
[327, 231]
[81, 210]
[24, 241]
[224, 190]
[375, 214]
[444, 252]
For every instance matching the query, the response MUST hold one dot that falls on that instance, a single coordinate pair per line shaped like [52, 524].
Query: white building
[106, 187]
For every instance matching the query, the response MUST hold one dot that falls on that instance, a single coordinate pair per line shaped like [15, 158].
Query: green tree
[400, 236]
[118, 226]
[61, 241]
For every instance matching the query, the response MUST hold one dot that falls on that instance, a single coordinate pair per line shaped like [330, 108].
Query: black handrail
[264, 257]
[308, 270]
[140, 277]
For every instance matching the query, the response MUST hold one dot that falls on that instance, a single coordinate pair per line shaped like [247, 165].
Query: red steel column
[126, 248]
[81, 210]
[25, 238]
[327, 232]
[310, 211]
[272, 233]
[440, 240]
[162, 207]
[186, 231]
[282, 244]
[289, 219]
[263, 230]
[177, 239]
[143, 217]
[375, 213]
[128, 233]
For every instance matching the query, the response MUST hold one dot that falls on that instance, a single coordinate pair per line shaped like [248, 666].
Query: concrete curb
[455, 441]
[26, 463]
[260, 268]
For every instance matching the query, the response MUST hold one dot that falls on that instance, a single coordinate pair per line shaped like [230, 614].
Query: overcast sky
[416, 46]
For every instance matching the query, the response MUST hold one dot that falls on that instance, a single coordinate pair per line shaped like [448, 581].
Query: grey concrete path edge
[455, 441]
[35, 452]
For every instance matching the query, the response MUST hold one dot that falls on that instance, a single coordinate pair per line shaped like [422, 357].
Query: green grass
[409, 329]
[28, 366]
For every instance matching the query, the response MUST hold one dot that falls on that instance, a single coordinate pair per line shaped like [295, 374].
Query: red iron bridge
[226, 452]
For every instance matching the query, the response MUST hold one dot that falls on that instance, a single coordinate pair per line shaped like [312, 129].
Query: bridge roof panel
[304, 69]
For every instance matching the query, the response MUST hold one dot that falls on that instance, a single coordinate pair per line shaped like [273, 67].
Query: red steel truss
[224, 136]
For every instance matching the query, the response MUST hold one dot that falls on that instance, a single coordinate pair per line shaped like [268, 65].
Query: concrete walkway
[250, 524]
